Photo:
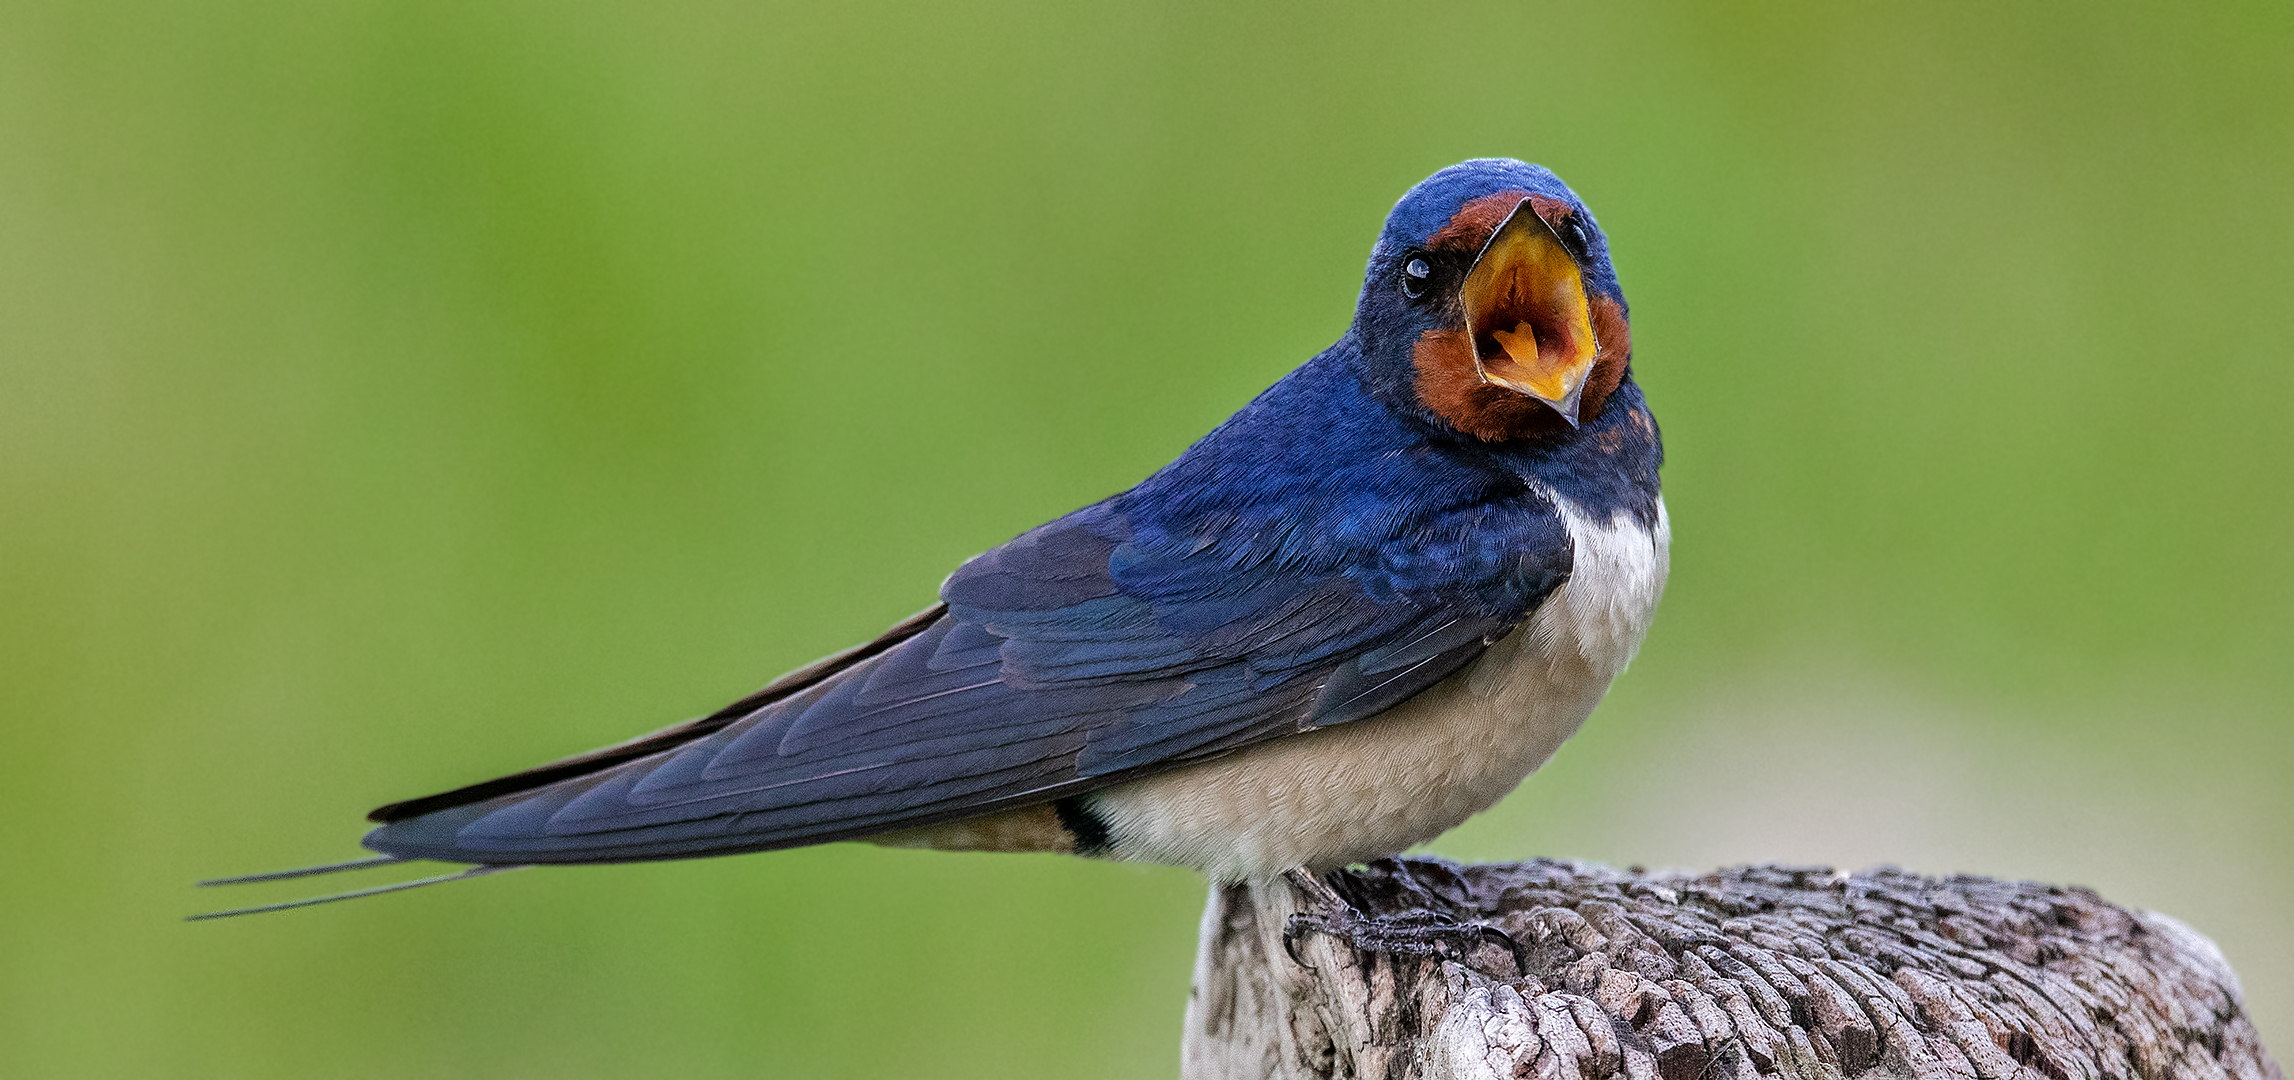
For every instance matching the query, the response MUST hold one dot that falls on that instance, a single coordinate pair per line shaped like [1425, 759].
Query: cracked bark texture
[1766, 971]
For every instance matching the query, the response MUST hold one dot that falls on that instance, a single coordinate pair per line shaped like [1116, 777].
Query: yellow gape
[1526, 309]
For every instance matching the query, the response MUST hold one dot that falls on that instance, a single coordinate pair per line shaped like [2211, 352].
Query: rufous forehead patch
[1473, 224]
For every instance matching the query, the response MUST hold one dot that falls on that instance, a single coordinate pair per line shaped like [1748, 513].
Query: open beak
[1526, 309]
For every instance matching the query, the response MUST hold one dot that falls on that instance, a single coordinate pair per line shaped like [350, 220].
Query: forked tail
[332, 868]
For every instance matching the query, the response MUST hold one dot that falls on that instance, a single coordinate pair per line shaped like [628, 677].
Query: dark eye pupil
[1414, 281]
[1578, 239]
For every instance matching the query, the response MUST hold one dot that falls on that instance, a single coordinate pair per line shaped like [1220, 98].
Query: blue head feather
[1387, 324]
[1425, 208]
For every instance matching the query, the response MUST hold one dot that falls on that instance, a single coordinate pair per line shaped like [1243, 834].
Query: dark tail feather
[308, 871]
[475, 871]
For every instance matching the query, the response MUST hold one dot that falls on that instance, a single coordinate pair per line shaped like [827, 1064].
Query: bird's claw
[1416, 934]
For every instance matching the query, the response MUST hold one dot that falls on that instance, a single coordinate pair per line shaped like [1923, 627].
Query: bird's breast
[1377, 786]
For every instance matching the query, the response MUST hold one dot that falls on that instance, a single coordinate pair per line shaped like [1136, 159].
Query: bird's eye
[1414, 277]
[1574, 236]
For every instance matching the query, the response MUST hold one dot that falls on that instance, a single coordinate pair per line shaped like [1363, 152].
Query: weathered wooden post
[1556, 970]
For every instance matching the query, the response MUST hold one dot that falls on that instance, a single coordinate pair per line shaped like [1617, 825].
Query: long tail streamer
[475, 871]
[307, 871]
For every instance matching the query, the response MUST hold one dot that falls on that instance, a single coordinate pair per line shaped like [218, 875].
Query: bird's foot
[1417, 934]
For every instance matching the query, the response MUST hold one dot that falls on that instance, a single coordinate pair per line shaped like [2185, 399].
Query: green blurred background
[392, 394]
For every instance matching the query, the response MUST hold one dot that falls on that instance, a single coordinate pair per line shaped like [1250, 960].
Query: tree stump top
[1770, 971]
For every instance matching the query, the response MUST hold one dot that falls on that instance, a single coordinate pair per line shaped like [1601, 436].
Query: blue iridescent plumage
[1336, 547]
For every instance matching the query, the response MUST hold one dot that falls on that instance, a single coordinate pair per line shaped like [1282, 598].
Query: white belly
[1375, 787]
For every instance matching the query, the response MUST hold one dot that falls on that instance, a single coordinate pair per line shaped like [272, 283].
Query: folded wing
[1079, 655]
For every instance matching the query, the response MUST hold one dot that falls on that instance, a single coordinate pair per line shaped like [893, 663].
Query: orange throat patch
[1453, 387]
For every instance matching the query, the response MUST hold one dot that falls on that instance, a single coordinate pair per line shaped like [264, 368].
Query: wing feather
[1080, 654]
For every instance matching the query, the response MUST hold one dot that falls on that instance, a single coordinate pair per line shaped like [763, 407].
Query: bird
[1357, 612]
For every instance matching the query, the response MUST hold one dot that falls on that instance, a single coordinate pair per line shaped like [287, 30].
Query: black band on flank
[1088, 828]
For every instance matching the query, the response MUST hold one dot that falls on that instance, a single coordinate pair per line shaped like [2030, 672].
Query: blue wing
[1098, 648]
[1312, 561]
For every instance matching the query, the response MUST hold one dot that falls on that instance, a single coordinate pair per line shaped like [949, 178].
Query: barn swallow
[1356, 613]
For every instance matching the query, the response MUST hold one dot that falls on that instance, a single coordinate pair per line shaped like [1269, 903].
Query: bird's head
[1490, 304]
